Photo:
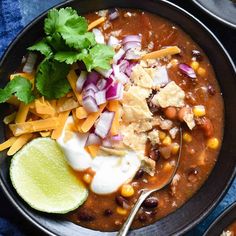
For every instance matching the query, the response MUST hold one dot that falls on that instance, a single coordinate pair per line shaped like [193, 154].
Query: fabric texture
[10, 22]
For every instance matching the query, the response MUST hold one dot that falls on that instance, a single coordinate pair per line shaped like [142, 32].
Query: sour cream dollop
[110, 171]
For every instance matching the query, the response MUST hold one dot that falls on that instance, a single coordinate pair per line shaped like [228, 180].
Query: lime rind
[41, 176]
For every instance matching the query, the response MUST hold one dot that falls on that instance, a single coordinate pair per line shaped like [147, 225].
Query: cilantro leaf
[79, 41]
[69, 57]
[20, 87]
[99, 56]
[51, 79]
[42, 47]
[57, 43]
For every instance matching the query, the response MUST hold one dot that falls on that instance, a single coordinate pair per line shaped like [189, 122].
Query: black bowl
[222, 221]
[216, 185]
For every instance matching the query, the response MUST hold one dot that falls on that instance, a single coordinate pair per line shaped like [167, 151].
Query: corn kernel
[167, 140]
[167, 167]
[87, 178]
[187, 137]
[174, 62]
[175, 148]
[201, 71]
[195, 65]
[121, 211]
[127, 190]
[213, 143]
[199, 111]
[162, 135]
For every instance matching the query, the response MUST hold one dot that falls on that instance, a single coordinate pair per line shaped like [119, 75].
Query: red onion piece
[93, 139]
[110, 81]
[113, 41]
[88, 93]
[101, 84]
[90, 104]
[81, 80]
[187, 70]
[106, 143]
[132, 45]
[132, 38]
[100, 97]
[30, 63]
[91, 87]
[104, 123]
[118, 55]
[98, 36]
[123, 65]
[117, 137]
[105, 73]
[92, 78]
[114, 14]
[129, 69]
[115, 92]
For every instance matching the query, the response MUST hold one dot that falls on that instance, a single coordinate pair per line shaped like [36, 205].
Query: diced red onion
[110, 81]
[104, 123]
[119, 76]
[92, 78]
[117, 137]
[123, 65]
[115, 92]
[100, 97]
[106, 143]
[132, 45]
[105, 73]
[101, 84]
[132, 38]
[30, 63]
[129, 69]
[118, 55]
[132, 54]
[91, 87]
[160, 76]
[93, 139]
[98, 36]
[88, 93]
[81, 80]
[113, 41]
[187, 70]
[90, 104]
[114, 14]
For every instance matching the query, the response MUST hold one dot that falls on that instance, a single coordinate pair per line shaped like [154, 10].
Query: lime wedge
[41, 176]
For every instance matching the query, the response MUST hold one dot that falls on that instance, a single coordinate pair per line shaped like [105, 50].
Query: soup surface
[230, 230]
[122, 97]
[202, 131]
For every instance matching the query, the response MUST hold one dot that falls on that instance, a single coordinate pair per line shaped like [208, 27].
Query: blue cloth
[14, 14]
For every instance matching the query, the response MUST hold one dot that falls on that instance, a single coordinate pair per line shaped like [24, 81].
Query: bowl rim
[228, 210]
[215, 16]
[177, 8]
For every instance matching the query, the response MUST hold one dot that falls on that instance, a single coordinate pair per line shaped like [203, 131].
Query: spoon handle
[125, 228]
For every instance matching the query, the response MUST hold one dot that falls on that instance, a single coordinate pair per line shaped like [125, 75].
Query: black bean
[154, 154]
[211, 90]
[192, 175]
[121, 201]
[142, 217]
[197, 54]
[150, 202]
[85, 216]
[139, 174]
[107, 212]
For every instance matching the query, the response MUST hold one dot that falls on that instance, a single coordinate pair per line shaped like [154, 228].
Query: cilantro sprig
[66, 41]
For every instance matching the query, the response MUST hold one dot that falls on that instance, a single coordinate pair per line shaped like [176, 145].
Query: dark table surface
[32, 8]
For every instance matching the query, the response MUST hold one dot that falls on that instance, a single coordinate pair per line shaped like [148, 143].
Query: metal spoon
[145, 193]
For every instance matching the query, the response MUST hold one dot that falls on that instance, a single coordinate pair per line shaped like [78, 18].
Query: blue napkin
[10, 22]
